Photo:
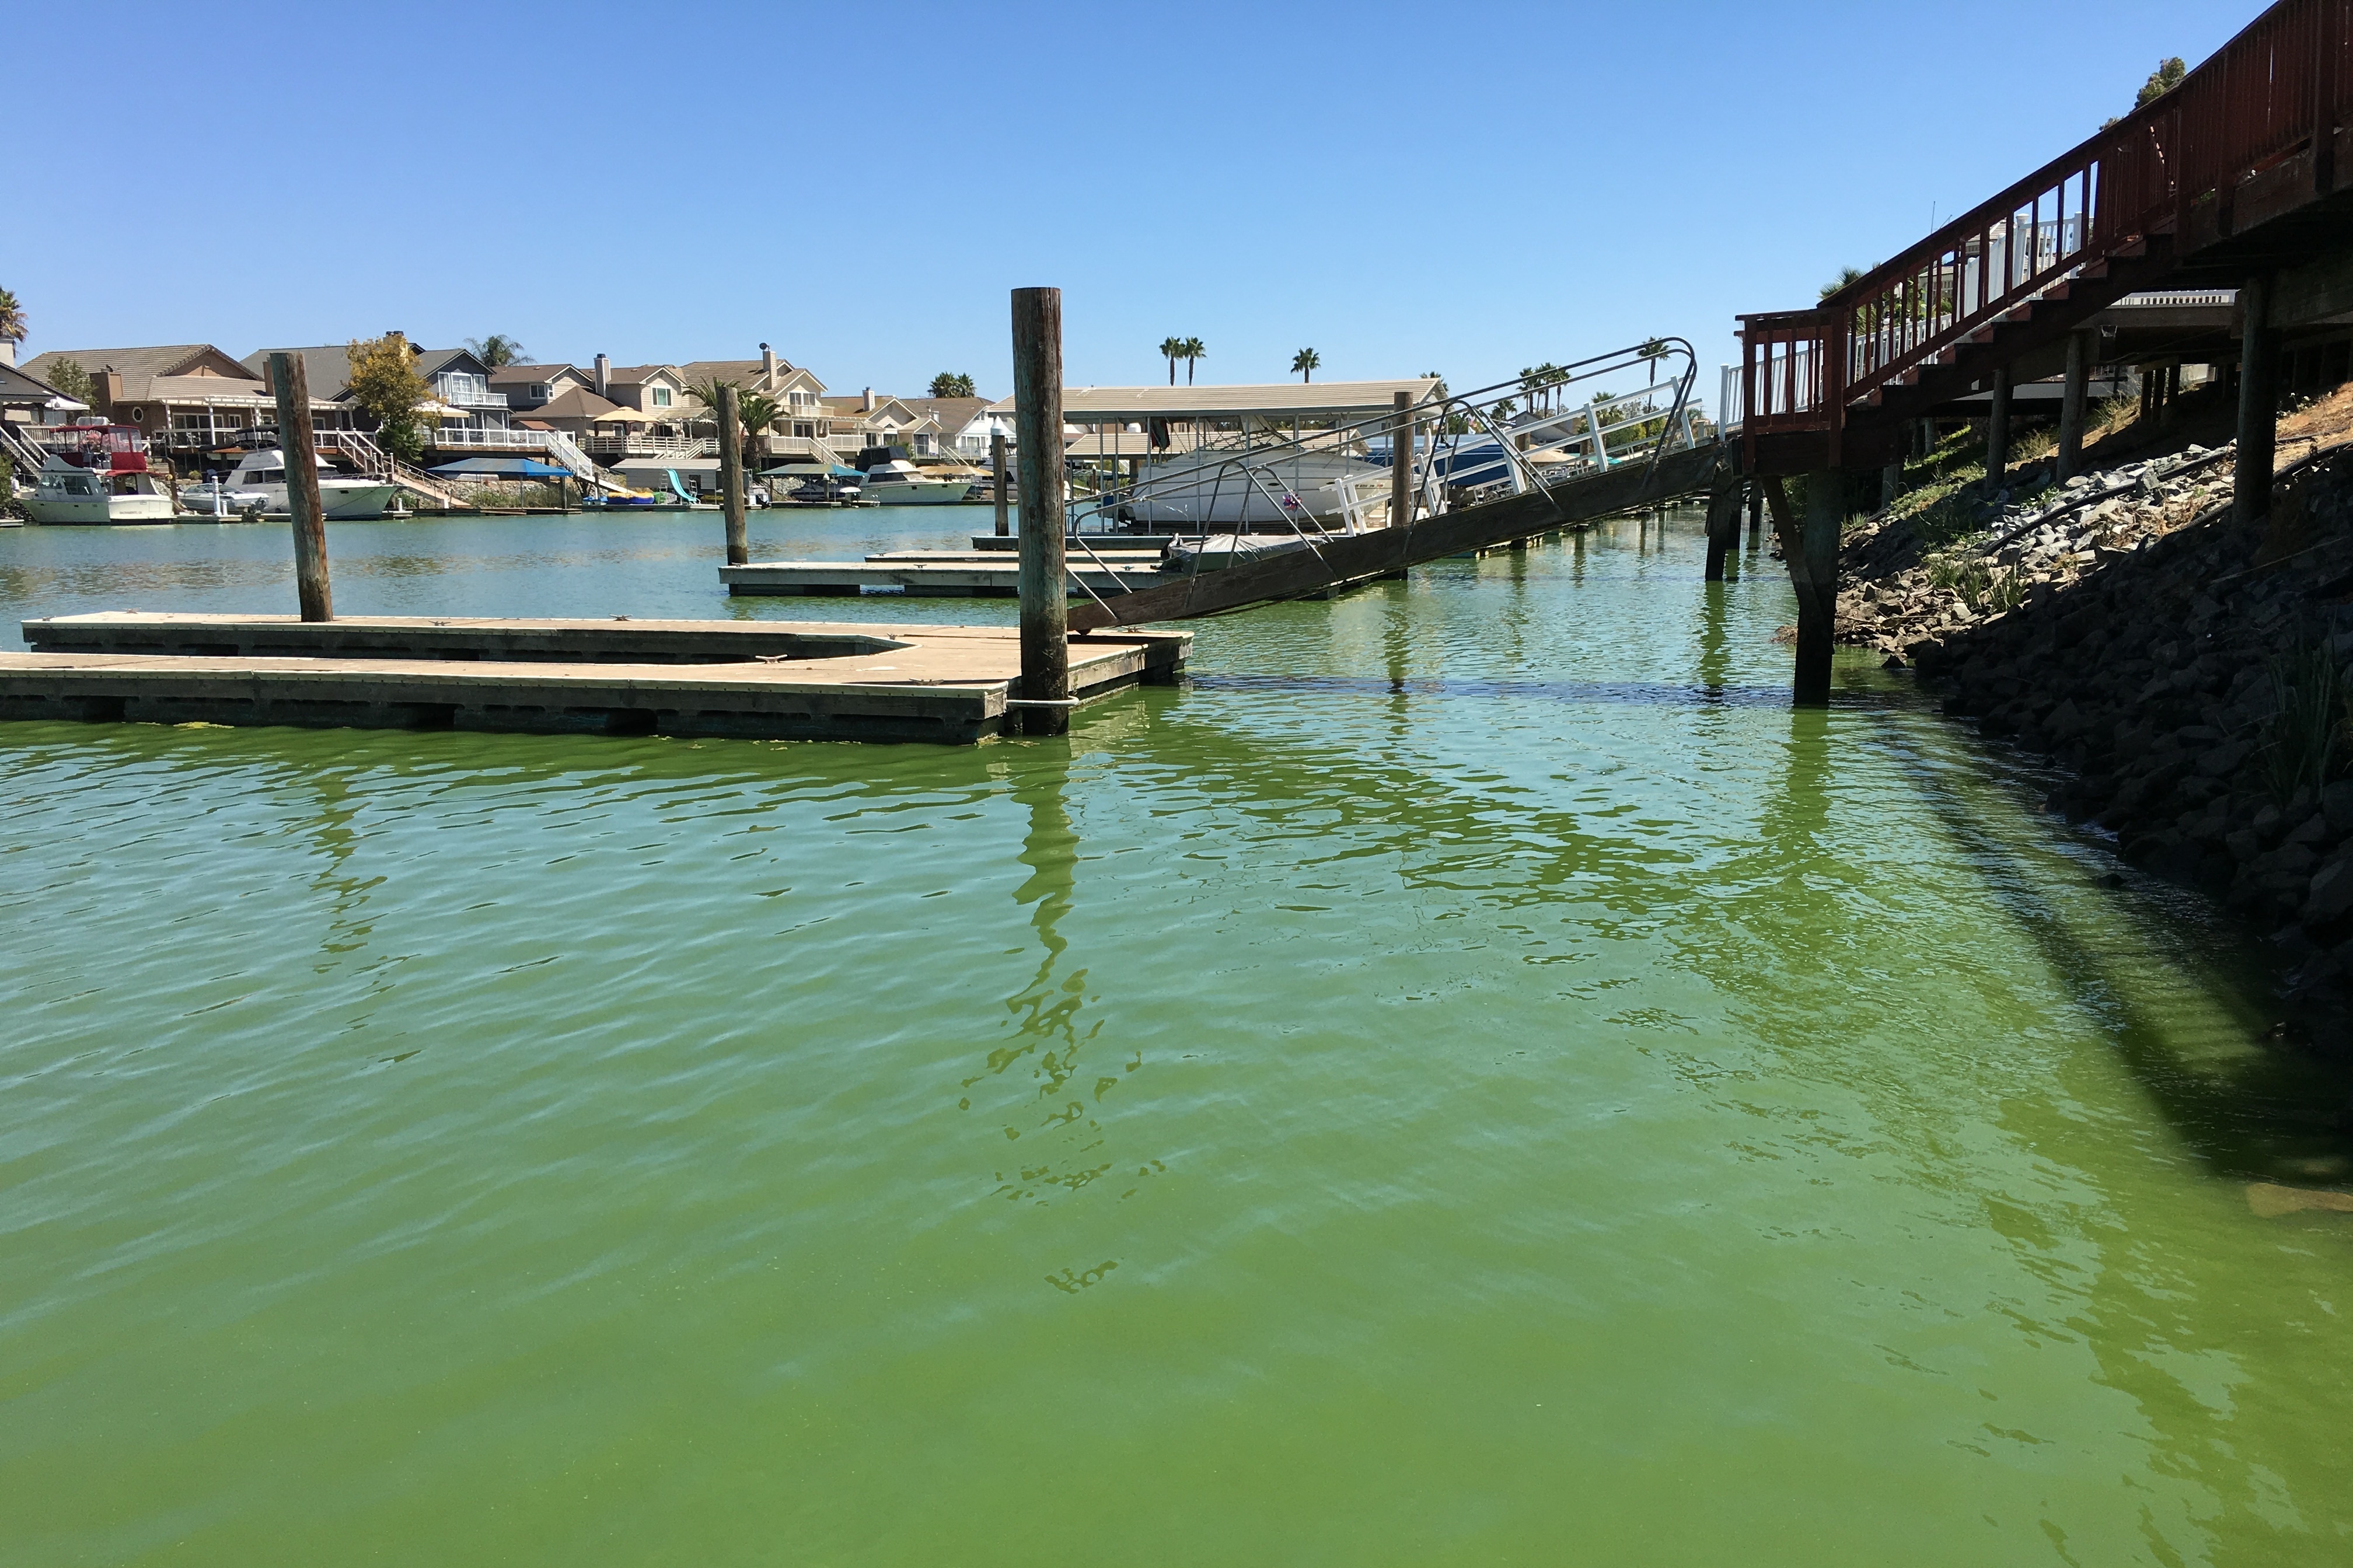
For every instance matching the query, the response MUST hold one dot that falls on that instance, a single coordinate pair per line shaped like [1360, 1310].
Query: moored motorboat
[66, 493]
[342, 499]
[216, 501]
[899, 482]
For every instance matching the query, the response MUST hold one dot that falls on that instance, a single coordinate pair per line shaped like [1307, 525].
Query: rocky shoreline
[2188, 673]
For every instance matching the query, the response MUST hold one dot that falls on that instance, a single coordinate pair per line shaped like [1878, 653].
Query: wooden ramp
[1340, 561]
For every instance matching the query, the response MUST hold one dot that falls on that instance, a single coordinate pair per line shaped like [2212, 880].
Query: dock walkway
[791, 682]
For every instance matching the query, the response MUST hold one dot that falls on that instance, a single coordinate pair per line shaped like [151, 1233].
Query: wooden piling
[1723, 526]
[1998, 430]
[731, 473]
[997, 464]
[2251, 478]
[2070, 406]
[1755, 515]
[1038, 438]
[299, 447]
[1810, 546]
[1402, 463]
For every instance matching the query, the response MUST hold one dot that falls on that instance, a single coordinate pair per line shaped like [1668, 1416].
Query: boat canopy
[831, 470]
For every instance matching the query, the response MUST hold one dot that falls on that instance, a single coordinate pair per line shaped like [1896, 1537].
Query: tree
[384, 383]
[12, 320]
[2167, 76]
[1652, 351]
[1305, 362]
[951, 384]
[1194, 349]
[497, 350]
[755, 411]
[1846, 276]
[1172, 350]
[70, 379]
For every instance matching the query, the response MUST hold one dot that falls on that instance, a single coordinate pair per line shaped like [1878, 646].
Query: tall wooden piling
[2251, 478]
[731, 473]
[298, 447]
[1998, 430]
[2070, 406]
[1037, 439]
[1401, 462]
[997, 466]
[1809, 545]
[1755, 515]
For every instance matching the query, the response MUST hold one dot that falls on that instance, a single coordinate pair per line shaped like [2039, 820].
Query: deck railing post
[996, 467]
[1038, 442]
[731, 473]
[290, 380]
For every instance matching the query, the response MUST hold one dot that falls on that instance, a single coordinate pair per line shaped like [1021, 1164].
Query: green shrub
[2303, 739]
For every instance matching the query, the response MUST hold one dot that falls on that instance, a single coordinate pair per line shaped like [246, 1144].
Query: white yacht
[900, 483]
[341, 500]
[63, 493]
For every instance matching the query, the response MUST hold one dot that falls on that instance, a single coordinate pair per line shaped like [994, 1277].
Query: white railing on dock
[505, 440]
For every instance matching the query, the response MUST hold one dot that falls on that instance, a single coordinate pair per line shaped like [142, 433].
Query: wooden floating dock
[946, 573]
[766, 681]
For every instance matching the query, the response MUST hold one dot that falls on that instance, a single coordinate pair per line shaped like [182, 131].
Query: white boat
[65, 493]
[341, 500]
[1214, 488]
[216, 501]
[900, 483]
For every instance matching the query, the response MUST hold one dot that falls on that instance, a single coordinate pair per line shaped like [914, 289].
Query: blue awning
[501, 468]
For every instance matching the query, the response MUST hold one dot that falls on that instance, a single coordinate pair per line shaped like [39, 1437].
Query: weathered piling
[2070, 406]
[1038, 435]
[2251, 480]
[1998, 427]
[731, 473]
[1756, 516]
[1401, 461]
[997, 466]
[1809, 545]
[299, 447]
[1723, 526]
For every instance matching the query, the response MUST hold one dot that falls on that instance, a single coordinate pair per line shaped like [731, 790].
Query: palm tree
[1846, 276]
[955, 384]
[12, 317]
[497, 350]
[1652, 351]
[1194, 349]
[1305, 362]
[1172, 350]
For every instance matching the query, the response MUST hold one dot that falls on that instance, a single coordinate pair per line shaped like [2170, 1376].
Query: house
[659, 390]
[964, 424]
[184, 395]
[456, 378]
[529, 386]
[794, 388]
[29, 400]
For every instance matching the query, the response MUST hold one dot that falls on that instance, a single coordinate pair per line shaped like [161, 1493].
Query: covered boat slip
[780, 681]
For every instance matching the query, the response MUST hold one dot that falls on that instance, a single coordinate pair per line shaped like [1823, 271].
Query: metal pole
[292, 380]
[997, 462]
[2251, 478]
[731, 473]
[1037, 439]
[2071, 408]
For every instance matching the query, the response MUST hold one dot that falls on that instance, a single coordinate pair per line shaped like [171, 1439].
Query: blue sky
[1465, 189]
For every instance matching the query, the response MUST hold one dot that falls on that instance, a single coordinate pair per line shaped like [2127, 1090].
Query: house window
[661, 397]
[539, 392]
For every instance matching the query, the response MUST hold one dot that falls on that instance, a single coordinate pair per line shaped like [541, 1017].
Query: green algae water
[1472, 1077]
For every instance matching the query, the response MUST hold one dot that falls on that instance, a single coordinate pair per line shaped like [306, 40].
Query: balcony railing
[504, 440]
[468, 396]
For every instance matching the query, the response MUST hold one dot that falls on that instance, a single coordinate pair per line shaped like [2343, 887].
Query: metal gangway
[1327, 507]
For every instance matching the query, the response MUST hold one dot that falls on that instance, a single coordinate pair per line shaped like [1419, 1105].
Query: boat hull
[56, 512]
[1188, 493]
[921, 494]
[340, 501]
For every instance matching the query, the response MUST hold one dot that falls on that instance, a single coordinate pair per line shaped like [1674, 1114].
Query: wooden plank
[1356, 558]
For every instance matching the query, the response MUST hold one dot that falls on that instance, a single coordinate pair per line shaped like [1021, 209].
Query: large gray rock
[2331, 894]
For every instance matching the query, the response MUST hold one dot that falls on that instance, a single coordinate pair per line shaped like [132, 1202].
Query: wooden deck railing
[2173, 166]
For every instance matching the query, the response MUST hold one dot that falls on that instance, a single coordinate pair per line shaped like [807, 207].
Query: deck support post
[996, 467]
[1755, 514]
[298, 447]
[1037, 439]
[1891, 484]
[1809, 545]
[731, 473]
[2251, 478]
[1998, 431]
[1723, 526]
[2070, 406]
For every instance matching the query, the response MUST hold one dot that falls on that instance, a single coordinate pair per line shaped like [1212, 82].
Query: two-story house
[183, 395]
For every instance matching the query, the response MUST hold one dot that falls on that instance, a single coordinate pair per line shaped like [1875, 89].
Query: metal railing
[2173, 166]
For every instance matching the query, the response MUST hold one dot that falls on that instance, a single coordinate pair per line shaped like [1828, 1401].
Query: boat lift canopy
[501, 468]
